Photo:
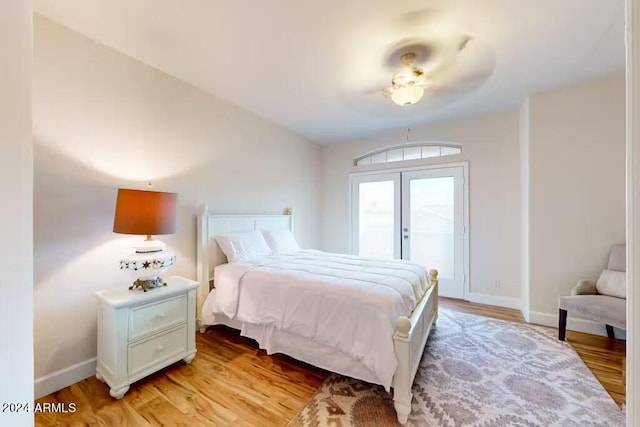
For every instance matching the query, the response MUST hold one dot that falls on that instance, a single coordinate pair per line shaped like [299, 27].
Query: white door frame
[465, 201]
[632, 17]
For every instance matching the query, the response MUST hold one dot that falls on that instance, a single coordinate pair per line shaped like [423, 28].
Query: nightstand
[142, 332]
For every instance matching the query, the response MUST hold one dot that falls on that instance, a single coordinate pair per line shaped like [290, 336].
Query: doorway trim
[465, 207]
[632, 21]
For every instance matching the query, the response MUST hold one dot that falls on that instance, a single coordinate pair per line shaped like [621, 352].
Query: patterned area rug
[477, 371]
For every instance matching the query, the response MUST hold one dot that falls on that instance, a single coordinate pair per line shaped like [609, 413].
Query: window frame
[390, 148]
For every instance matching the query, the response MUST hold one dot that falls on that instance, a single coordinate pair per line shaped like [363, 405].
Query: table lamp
[146, 213]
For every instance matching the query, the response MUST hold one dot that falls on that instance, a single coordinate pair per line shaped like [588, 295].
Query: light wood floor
[231, 382]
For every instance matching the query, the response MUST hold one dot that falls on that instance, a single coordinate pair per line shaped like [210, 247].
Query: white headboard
[208, 252]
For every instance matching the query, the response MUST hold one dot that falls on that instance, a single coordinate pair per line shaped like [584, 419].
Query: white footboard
[409, 341]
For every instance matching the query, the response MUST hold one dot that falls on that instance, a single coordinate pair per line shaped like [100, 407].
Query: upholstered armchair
[602, 301]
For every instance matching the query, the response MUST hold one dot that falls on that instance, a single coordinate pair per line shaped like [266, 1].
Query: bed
[298, 303]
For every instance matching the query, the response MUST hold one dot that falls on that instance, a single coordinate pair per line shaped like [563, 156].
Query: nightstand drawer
[148, 354]
[142, 332]
[150, 318]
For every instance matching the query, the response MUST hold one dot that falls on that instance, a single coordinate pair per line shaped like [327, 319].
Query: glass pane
[379, 158]
[365, 161]
[376, 221]
[431, 222]
[412, 153]
[430, 152]
[447, 151]
[394, 155]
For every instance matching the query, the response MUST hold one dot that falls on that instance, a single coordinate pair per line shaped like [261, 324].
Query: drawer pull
[160, 347]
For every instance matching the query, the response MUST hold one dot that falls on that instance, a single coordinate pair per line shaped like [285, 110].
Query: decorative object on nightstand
[146, 213]
[140, 333]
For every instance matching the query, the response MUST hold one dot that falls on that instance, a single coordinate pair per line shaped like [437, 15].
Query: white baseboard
[573, 324]
[497, 300]
[64, 377]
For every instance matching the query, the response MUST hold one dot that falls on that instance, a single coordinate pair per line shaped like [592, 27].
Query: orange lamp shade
[146, 213]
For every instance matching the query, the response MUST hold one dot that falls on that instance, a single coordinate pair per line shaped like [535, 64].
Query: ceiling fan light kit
[407, 95]
[436, 62]
[407, 84]
[431, 64]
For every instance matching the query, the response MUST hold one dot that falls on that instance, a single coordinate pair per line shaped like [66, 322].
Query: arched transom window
[414, 151]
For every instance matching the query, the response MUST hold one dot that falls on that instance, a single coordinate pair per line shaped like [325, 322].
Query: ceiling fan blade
[477, 60]
[430, 54]
[434, 35]
[457, 86]
[454, 65]
[460, 88]
[464, 40]
[376, 90]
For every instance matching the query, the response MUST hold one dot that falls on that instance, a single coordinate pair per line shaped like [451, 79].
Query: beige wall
[577, 186]
[525, 232]
[103, 121]
[16, 185]
[490, 144]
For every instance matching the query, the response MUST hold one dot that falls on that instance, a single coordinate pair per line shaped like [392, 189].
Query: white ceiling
[304, 64]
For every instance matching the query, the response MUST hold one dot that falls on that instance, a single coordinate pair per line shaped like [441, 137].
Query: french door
[417, 215]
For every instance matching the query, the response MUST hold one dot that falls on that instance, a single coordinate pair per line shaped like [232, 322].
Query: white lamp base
[147, 265]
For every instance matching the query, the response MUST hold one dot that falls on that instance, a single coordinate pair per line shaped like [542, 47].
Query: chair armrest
[585, 287]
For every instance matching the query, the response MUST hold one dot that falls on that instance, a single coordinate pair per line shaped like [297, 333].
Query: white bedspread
[344, 302]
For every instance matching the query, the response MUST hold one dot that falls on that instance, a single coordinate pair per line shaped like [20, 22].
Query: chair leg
[610, 332]
[562, 325]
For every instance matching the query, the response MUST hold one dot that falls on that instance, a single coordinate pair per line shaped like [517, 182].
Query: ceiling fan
[433, 61]
[408, 84]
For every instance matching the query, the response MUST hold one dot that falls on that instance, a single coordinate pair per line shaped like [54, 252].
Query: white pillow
[281, 241]
[612, 283]
[240, 247]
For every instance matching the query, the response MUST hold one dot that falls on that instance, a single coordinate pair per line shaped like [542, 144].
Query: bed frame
[411, 333]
